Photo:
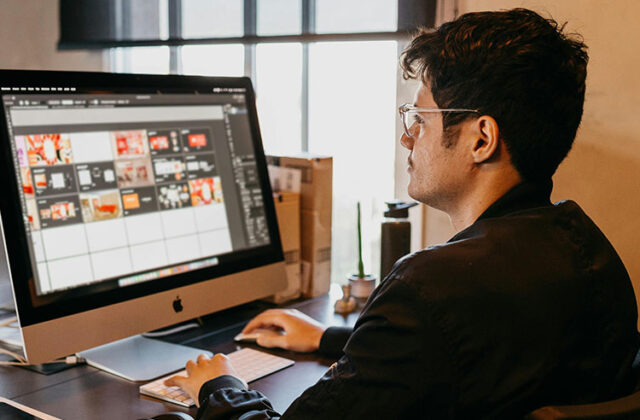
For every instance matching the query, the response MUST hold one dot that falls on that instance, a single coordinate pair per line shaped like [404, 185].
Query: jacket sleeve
[393, 359]
[333, 340]
[226, 397]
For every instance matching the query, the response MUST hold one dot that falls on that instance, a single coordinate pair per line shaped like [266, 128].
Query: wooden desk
[87, 393]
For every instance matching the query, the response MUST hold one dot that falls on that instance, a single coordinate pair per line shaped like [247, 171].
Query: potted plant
[361, 284]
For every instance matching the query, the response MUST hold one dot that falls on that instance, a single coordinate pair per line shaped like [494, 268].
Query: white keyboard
[250, 365]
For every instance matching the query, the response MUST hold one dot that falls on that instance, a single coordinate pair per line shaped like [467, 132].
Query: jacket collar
[523, 196]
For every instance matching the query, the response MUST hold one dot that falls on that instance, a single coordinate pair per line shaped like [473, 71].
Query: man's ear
[487, 134]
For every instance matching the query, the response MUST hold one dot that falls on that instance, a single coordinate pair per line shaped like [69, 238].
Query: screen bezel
[66, 303]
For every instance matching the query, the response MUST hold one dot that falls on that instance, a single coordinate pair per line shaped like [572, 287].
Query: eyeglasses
[410, 117]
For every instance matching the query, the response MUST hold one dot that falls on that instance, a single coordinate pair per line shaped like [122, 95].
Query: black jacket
[529, 306]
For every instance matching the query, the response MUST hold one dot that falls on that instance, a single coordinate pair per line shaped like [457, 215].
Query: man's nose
[406, 141]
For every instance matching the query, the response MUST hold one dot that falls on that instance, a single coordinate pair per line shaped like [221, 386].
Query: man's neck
[470, 206]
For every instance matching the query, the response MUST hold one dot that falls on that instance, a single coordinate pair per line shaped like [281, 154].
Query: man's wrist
[317, 339]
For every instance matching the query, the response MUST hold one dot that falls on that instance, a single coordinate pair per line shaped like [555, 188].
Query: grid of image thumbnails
[85, 178]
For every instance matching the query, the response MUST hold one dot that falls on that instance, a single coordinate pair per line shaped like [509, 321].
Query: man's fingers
[190, 366]
[272, 341]
[260, 321]
[220, 357]
[266, 320]
[202, 358]
[175, 381]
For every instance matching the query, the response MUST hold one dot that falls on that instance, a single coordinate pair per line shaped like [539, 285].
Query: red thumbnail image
[133, 172]
[197, 140]
[159, 142]
[59, 211]
[32, 214]
[48, 149]
[100, 205]
[201, 191]
[41, 180]
[205, 191]
[27, 184]
[130, 143]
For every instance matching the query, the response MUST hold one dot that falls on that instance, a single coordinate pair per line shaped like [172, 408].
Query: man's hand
[201, 372]
[301, 333]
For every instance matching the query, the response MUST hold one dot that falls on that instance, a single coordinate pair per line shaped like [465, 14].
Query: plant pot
[361, 287]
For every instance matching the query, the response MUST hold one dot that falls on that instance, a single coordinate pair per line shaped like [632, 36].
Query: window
[279, 17]
[211, 18]
[213, 60]
[141, 60]
[325, 73]
[278, 96]
[352, 117]
[339, 16]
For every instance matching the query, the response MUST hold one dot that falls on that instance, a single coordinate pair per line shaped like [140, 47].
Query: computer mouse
[252, 337]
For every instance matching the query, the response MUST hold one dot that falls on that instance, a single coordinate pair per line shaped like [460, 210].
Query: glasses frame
[406, 109]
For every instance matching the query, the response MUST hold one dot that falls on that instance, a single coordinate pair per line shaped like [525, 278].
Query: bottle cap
[398, 209]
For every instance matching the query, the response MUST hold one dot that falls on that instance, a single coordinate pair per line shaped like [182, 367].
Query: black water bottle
[395, 238]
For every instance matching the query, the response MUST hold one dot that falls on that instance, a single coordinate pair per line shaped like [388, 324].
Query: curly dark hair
[517, 67]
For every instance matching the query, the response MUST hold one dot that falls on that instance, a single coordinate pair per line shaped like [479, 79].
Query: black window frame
[101, 25]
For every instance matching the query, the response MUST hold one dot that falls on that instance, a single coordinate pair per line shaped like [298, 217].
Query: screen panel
[126, 185]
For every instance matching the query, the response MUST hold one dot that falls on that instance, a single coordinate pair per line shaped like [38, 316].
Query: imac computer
[130, 203]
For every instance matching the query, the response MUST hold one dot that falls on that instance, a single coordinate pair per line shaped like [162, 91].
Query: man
[527, 305]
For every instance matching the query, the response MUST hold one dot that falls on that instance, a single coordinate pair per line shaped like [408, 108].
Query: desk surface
[87, 393]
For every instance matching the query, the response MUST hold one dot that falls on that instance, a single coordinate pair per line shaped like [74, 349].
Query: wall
[602, 172]
[28, 37]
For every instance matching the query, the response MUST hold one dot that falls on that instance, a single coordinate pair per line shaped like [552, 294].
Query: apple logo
[177, 304]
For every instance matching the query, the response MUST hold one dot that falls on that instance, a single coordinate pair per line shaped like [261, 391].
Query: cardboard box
[316, 253]
[316, 205]
[287, 206]
[317, 178]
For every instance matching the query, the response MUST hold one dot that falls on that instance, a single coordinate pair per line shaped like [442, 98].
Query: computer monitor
[130, 203]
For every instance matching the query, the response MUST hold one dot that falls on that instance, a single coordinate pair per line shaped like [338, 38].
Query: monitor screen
[144, 187]
[120, 186]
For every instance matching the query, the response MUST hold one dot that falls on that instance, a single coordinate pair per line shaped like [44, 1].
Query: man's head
[518, 70]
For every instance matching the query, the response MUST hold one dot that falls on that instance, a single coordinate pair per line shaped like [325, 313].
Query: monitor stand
[140, 359]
